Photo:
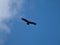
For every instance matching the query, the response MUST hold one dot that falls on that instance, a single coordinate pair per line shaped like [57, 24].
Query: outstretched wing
[33, 23]
[25, 20]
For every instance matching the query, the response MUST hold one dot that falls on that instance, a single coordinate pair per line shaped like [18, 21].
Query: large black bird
[28, 22]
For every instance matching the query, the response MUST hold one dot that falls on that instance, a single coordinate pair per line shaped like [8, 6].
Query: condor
[28, 22]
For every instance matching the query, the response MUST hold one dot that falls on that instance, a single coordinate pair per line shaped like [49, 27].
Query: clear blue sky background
[46, 13]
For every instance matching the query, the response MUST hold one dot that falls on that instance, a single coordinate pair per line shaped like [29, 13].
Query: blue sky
[46, 13]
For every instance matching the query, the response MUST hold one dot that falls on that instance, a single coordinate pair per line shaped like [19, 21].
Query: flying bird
[28, 22]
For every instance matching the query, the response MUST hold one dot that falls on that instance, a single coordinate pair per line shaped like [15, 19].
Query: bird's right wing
[33, 23]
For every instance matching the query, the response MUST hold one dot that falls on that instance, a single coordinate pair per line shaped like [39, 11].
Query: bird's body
[28, 22]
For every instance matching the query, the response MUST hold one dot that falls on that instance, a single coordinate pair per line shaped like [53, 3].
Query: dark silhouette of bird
[28, 22]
